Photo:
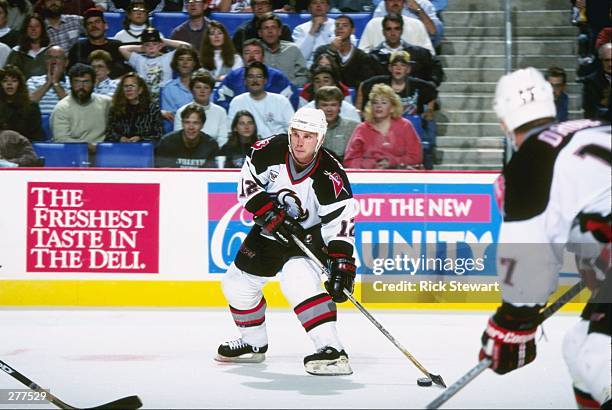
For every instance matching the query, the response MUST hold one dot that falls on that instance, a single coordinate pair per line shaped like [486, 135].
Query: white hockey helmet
[309, 119]
[523, 96]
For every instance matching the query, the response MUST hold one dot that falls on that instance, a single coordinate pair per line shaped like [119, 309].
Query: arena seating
[124, 155]
[63, 155]
[166, 22]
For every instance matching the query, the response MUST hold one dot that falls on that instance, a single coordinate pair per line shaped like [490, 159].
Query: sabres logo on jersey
[261, 144]
[289, 200]
[337, 183]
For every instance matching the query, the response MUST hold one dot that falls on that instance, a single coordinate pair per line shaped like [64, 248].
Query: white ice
[90, 357]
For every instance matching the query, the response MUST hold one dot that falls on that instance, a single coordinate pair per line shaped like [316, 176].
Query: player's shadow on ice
[305, 384]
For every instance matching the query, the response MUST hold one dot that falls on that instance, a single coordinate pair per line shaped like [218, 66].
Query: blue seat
[124, 155]
[360, 20]
[46, 126]
[63, 154]
[165, 22]
[114, 21]
[293, 19]
[231, 21]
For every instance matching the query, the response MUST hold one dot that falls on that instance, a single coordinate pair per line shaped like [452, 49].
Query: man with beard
[63, 29]
[95, 28]
[82, 116]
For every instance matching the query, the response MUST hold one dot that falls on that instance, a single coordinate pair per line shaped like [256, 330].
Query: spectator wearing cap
[425, 66]
[95, 28]
[557, 78]
[153, 65]
[82, 115]
[192, 30]
[280, 54]
[234, 83]
[417, 98]
[64, 29]
[421, 10]
[355, 65]
[201, 85]
[135, 22]
[102, 63]
[249, 29]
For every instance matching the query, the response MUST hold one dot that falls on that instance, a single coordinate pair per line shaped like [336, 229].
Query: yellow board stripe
[80, 293]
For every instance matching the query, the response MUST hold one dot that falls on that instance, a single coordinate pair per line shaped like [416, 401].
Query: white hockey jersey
[320, 194]
[560, 176]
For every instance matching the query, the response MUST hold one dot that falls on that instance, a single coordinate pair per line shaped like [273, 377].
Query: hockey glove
[509, 339]
[342, 276]
[277, 223]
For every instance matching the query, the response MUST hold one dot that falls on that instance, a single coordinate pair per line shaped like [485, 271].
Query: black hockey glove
[277, 223]
[509, 339]
[342, 276]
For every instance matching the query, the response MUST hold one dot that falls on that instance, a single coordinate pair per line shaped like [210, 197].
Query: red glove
[509, 339]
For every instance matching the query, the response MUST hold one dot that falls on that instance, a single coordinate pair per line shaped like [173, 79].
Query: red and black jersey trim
[585, 400]
[315, 311]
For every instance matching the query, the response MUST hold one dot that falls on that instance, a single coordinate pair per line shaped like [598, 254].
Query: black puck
[424, 382]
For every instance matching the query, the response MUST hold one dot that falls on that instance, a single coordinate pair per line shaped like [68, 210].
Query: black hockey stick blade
[126, 403]
[437, 379]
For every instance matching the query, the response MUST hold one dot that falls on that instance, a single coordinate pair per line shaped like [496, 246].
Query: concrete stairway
[473, 56]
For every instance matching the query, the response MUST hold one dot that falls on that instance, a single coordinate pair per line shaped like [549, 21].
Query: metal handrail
[508, 33]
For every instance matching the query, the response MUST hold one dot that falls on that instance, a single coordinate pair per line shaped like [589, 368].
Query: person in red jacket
[385, 140]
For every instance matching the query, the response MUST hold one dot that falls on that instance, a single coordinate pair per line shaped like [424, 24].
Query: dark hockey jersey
[318, 197]
[559, 176]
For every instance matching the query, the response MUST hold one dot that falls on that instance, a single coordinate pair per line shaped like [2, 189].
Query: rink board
[97, 237]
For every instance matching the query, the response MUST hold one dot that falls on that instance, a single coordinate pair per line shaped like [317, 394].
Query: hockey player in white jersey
[556, 194]
[293, 186]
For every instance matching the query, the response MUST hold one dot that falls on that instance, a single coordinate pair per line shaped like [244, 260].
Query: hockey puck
[424, 382]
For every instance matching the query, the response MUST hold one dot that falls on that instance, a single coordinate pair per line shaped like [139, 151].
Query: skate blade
[338, 367]
[245, 358]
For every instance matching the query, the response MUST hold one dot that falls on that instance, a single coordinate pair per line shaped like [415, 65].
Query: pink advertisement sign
[93, 227]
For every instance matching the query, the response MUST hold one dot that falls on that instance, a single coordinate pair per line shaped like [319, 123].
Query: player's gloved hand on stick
[277, 223]
[342, 276]
[509, 339]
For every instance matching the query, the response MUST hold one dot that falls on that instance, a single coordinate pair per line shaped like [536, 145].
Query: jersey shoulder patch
[528, 176]
[268, 152]
[330, 181]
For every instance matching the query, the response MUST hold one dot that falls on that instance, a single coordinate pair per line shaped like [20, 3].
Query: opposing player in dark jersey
[293, 186]
[556, 196]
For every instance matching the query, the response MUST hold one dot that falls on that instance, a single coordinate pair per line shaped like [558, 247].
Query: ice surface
[89, 357]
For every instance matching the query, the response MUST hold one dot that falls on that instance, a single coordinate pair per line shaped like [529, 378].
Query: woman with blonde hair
[218, 54]
[385, 140]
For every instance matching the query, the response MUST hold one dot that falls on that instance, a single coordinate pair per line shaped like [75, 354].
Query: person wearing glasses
[272, 111]
[134, 116]
[82, 115]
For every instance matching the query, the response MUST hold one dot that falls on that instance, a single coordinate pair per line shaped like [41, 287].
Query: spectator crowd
[208, 90]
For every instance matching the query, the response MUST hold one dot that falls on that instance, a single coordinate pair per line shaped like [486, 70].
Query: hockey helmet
[523, 96]
[309, 119]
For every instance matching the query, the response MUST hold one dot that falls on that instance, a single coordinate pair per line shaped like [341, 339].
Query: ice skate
[237, 351]
[328, 362]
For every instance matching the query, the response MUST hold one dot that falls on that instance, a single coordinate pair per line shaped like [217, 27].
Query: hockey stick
[437, 379]
[127, 403]
[485, 363]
